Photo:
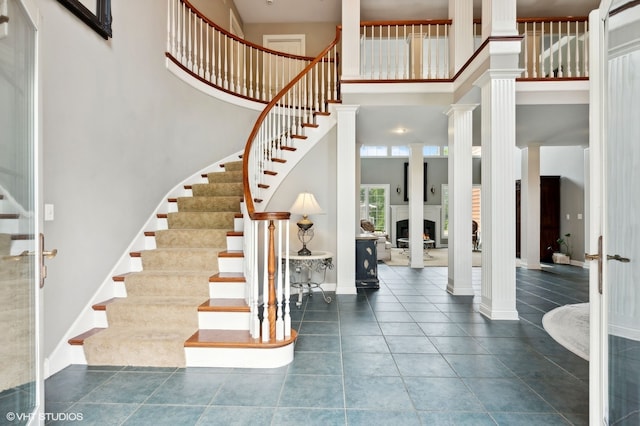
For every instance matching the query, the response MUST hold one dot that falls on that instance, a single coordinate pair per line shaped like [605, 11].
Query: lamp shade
[305, 205]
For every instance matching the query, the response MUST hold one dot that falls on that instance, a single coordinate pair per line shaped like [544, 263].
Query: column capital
[460, 108]
[346, 108]
[494, 74]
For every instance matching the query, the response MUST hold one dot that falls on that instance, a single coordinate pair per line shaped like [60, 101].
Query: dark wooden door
[549, 217]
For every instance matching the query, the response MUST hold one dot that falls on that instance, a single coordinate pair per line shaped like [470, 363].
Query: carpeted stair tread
[201, 220]
[181, 259]
[168, 283]
[162, 346]
[233, 166]
[147, 312]
[5, 244]
[195, 238]
[217, 189]
[150, 326]
[226, 176]
[209, 204]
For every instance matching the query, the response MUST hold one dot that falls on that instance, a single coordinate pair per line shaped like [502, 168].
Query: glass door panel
[622, 229]
[18, 243]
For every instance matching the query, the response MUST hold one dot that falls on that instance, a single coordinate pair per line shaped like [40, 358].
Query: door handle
[44, 255]
[598, 257]
[618, 258]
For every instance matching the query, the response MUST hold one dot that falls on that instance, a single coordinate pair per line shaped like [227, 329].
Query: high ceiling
[281, 11]
[376, 125]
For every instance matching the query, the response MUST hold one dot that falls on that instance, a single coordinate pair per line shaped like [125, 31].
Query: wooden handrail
[407, 22]
[241, 40]
[248, 197]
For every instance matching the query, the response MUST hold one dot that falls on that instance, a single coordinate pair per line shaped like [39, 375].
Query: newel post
[271, 274]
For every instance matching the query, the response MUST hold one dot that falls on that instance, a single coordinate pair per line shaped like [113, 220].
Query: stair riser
[234, 176]
[206, 320]
[9, 226]
[216, 290]
[238, 224]
[230, 264]
[235, 243]
[201, 220]
[191, 238]
[224, 320]
[217, 189]
[226, 290]
[209, 204]
[239, 358]
[183, 260]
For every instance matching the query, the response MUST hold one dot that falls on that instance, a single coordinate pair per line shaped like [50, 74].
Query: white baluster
[279, 289]
[183, 53]
[244, 70]
[287, 283]
[429, 50]
[534, 56]
[219, 64]
[254, 281]
[169, 5]
[437, 50]
[585, 50]
[560, 65]
[251, 93]
[226, 63]
[201, 58]
[207, 69]
[189, 36]
[232, 64]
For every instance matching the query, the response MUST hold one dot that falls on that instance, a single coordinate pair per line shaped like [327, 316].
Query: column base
[495, 314]
[459, 290]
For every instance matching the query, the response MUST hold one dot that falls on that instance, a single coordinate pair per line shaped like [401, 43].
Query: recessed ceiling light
[400, 130]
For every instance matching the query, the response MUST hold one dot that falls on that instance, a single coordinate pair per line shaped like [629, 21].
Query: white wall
[314, 173]
[568, 163]
[119, 131]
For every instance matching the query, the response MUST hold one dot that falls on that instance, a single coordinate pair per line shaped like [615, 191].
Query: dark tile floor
[406, 354]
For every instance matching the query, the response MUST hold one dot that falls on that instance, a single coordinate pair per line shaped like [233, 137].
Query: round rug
[569, 326]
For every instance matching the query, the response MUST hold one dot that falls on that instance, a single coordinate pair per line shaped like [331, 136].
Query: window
[373, 151]
[374, 205]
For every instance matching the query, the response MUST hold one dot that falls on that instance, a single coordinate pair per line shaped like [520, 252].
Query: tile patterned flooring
[406, 354]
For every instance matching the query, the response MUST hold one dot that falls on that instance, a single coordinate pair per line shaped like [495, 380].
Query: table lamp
[305, 205]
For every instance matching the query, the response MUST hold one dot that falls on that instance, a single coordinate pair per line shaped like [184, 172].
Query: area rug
[569, 326]
[435, 257]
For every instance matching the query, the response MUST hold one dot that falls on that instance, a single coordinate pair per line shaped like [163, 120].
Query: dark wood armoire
[549, 216]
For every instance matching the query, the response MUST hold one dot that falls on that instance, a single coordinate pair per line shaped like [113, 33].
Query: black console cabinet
[367, 262]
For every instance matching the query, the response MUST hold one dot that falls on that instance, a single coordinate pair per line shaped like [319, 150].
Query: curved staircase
[184, 301]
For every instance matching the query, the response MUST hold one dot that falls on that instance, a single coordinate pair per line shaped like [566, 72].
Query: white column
[499, 18]
[460, 195]
[587, 203]
[530, 208]
[346, 192]
[498, 96]
[416, 205]
[350, 39]
[461, 35]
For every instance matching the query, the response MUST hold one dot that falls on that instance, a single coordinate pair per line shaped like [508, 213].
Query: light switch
[48, 212]
[568, 216]
[579, 216]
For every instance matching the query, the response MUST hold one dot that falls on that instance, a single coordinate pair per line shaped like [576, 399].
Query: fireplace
[431, 214]
[402, 230]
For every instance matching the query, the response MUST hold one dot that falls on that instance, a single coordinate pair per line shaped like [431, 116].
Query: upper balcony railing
[405, 50]
[552, 48]
[225, 61]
